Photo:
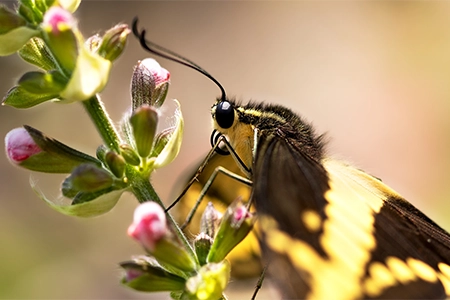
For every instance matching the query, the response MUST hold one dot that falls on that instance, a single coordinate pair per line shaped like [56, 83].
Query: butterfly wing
[331, 231]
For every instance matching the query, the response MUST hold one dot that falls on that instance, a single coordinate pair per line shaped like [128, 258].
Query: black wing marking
[332, 231]
[286, 183]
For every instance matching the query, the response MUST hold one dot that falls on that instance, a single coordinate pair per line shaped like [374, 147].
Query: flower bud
[145, 275]
[149, 84]
[129, 155]
[20, 145]
[116, 163]
[58, 28]
[13, 32]
[89, 178]
[236, 223]
[144, 122]
[202, 245]
[149, 225]
[31, 149]
[113, 42]
[210, 281]
[210, 220]
[150, 228]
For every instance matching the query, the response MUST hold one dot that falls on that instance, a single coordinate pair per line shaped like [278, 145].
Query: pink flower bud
[160, 75]
[20, 145]
[57, 19]
[240, 213]
[149, 225]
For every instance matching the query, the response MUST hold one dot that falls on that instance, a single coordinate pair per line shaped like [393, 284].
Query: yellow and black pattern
[329, 230]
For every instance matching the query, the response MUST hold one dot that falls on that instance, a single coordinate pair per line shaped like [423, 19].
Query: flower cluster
[199, 273]
[73, 69]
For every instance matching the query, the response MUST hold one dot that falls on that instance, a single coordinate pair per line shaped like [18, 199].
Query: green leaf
[13, 40]
[18, 97]
[96, 207]
[9, 20]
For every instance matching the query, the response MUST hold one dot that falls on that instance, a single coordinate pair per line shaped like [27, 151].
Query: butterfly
[328, 230]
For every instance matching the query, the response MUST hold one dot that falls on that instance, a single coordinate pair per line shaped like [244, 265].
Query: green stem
[143, 190]
[102, 121]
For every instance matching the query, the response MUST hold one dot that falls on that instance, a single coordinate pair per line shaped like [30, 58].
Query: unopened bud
[129, 155]
[210, 220]
[236, 223]
[116, 163]
[144, 122]
[150, 228]
[90, 178]
[149, 84]
[202, 245]
[113, 42]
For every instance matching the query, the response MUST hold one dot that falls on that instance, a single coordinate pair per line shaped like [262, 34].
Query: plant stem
[144, 191]
[103, 122]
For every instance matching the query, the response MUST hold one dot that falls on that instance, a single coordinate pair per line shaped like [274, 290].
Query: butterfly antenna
[170, 55]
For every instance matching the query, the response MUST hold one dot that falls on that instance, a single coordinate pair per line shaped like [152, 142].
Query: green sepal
[202, 245]
[18, 97]
[161, 141]
[93, 208]
[37, 53]
[160, 93]
[230, 232]
[173, 255]
[101, 152]
[149, 277]
[173, 145]
[45, 83]
[144, 121]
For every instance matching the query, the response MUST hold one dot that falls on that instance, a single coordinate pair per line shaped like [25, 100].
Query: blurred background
[374, 75]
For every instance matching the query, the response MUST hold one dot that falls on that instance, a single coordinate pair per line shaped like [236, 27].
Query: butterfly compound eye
[225, 114]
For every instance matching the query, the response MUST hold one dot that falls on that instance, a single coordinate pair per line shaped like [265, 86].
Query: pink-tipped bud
[159, 74]
[58, 19]
[149, 84]
[149, 225]
[19, 145]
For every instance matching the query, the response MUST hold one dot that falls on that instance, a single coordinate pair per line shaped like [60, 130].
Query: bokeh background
[374, 75]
